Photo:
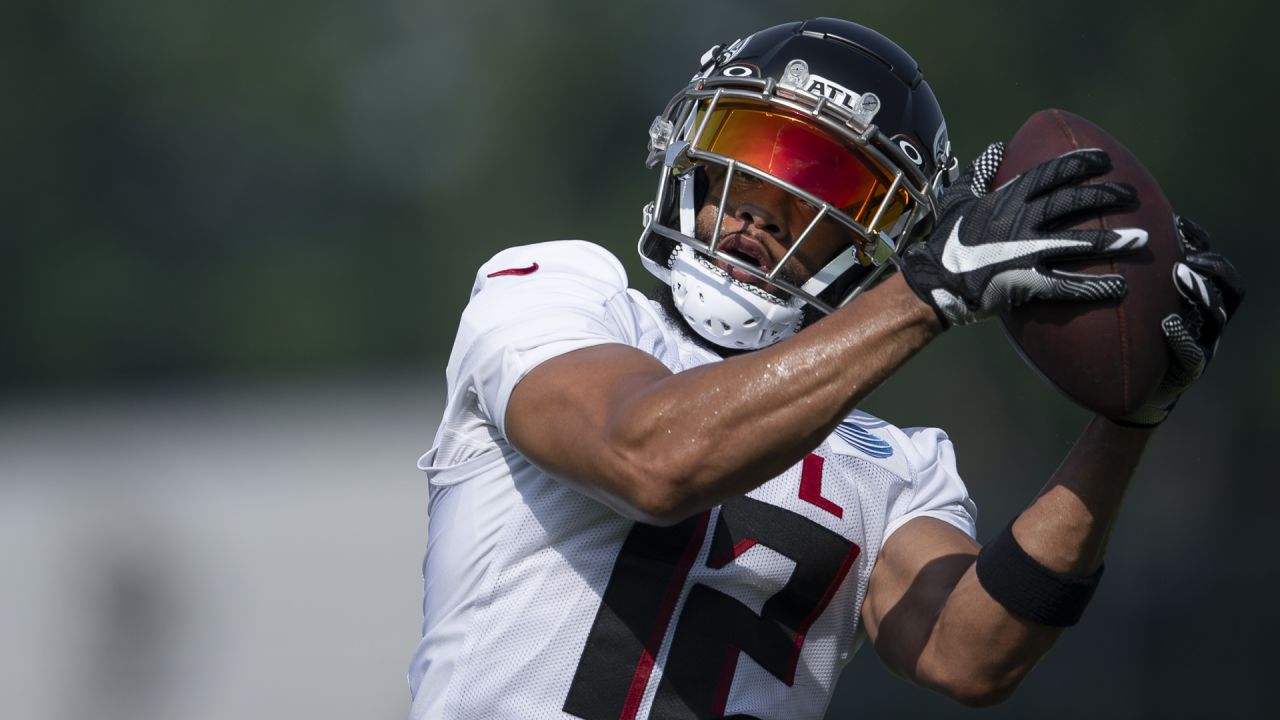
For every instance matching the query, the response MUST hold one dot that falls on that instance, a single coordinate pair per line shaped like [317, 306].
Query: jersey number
[713, 628]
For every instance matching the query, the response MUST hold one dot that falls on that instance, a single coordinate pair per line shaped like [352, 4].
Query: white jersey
[543, 603]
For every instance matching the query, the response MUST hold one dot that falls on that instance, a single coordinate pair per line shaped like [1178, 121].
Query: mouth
[748, 251]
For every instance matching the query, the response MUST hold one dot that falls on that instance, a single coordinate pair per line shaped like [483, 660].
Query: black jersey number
[713, 628]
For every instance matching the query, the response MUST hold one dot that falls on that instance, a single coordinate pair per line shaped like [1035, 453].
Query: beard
[666, 300]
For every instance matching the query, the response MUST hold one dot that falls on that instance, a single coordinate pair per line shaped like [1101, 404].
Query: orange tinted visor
[791, 149]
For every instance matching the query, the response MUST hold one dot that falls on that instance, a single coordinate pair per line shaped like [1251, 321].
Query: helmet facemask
[829, 155]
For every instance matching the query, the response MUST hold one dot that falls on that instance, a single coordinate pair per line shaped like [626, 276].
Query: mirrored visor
[791, 149]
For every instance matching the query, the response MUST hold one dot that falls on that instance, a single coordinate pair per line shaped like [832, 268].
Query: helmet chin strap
[688, 203]
[822, 279]
[727, 312]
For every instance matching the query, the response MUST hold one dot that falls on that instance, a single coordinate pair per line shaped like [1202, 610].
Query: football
[1108, 356]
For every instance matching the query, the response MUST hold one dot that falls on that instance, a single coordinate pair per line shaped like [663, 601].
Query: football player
[673, 508]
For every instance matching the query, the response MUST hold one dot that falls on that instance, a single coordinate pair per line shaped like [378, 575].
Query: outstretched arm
[936, 616]
[932, 621]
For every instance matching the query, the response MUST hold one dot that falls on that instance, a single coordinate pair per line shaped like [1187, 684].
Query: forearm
[724, 428]
[1065, 529]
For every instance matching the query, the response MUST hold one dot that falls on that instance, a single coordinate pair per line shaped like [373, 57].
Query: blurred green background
[245, 188]
[250, 194]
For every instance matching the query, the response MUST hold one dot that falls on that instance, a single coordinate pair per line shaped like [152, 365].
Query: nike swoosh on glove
[990, 247]
[1212, 291]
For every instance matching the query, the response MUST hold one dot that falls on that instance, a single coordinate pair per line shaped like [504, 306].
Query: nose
[756, 215]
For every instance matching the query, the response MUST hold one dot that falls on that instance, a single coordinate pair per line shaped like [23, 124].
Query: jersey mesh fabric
[550, 568]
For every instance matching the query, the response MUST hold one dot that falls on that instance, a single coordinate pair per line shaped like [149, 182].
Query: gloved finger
[1021, 285]
[1189, 359]
[1070, 168]
[1194, 236]
[1073, 244]
[1222, 274]
[1068, 205]
[959, 194]
[1201, 291]
[1204, 296]
[982, 171]
[1084, 286]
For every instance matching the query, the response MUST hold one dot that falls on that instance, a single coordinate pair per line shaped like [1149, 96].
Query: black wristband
[1030, 590]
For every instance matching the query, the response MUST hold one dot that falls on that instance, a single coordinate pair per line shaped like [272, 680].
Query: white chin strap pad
[728, 313]
[688, 212]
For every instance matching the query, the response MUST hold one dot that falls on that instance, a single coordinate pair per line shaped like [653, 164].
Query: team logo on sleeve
[864, 440]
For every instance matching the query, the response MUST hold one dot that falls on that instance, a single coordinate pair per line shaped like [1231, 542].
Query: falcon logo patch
[864, 440]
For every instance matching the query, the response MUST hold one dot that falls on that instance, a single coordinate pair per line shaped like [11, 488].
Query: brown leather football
[1108, 356]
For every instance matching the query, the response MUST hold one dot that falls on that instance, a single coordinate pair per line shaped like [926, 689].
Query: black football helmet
[828, 110]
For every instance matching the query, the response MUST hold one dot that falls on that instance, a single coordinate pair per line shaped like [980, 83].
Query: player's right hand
[989, 248]
[1212, 290]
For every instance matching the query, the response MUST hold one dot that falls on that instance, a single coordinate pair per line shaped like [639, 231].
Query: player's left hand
[1212, 289]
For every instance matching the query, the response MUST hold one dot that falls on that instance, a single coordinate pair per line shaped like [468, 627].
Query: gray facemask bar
[680, 156]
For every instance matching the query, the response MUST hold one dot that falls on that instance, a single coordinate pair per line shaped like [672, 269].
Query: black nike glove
[989, 248]
[1212, 290]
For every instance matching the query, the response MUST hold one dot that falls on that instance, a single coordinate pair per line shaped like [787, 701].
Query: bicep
[914, 576]
[572, 416]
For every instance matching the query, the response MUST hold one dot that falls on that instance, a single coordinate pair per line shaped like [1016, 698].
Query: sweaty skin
[659, 447]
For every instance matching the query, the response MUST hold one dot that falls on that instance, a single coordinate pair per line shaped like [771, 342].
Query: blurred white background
[247, 552]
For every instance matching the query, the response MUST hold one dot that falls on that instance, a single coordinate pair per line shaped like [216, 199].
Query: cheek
[823, 247]
[705, 221]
